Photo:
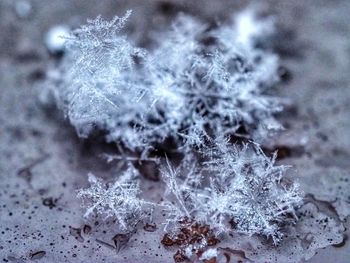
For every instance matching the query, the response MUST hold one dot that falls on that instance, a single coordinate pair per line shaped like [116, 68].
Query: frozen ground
[42, 161]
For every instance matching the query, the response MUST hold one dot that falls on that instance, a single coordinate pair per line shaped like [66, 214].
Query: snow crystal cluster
[194, 85]
[244, 192]
[199, 86]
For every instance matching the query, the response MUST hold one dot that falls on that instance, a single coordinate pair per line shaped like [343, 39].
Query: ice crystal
[245, 192]
[213, 90]
[177, 206]
[97, 89]
[194, 85]
[250, 189]
[119, 200]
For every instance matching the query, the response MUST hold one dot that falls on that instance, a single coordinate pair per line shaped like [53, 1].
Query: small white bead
[55, 38]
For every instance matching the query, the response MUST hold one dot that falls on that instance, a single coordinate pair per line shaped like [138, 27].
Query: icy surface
[43, 162]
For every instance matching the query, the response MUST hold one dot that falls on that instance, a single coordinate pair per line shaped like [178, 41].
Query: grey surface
[41, 157]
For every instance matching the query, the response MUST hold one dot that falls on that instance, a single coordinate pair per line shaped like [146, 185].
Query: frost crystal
[97, 89]
[210, 90]
[245, 193]
[249, 189]
[195, 85]
[178, 207]
[118, 200]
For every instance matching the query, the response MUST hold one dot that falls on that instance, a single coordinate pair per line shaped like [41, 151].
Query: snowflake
[206, 91]
[184, 88]
[245, 192]
[97, 90]
[196, 86]
[118, 200]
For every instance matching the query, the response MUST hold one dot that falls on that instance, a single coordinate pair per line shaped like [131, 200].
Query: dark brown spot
[167, 241]
[150, 227]
[204, 230]
[37, 255]
[180, 256]
[86, 229]
[120, 240]
[212, 260]
[212, 241]
[228, 257]
[284, 151]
